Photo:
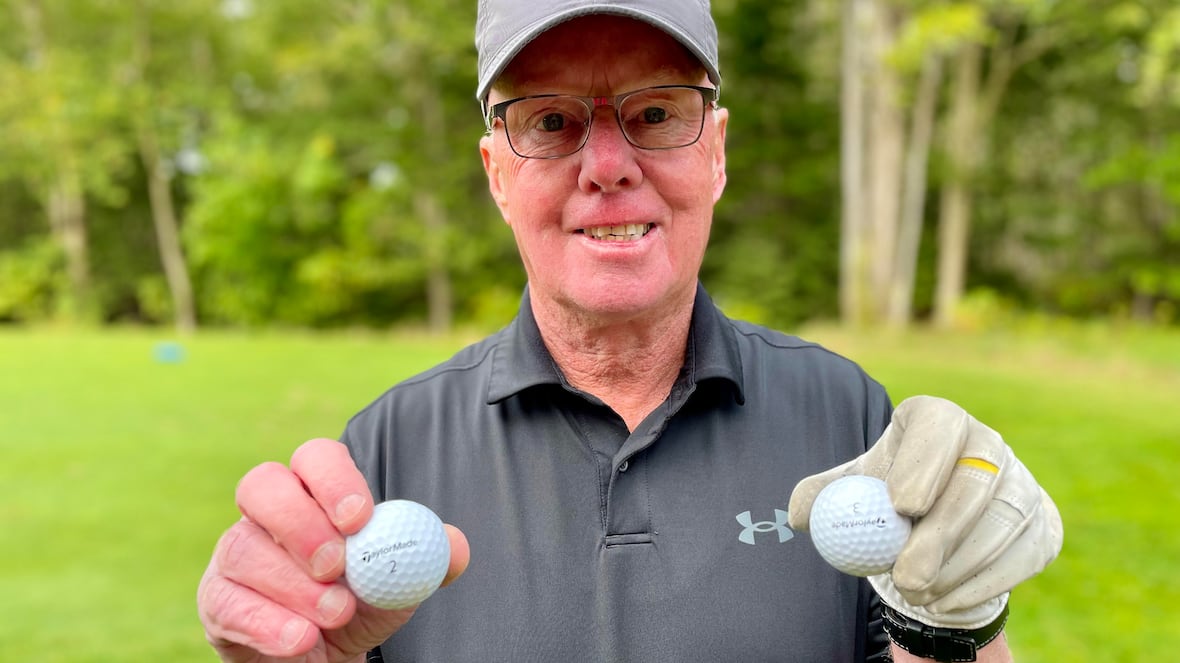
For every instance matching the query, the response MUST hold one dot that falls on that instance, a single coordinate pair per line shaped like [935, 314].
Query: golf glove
[981, 523]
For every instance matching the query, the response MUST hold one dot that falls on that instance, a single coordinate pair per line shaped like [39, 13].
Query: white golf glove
[981, 523]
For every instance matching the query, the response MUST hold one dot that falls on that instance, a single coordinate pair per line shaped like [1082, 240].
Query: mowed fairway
[117, 471]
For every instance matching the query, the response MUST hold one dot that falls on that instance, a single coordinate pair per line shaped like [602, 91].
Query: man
[620, 456]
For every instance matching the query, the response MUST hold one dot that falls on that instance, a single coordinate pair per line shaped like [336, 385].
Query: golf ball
[854, 526]
[399, 557]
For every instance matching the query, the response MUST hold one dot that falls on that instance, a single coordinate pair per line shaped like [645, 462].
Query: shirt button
[624, 465]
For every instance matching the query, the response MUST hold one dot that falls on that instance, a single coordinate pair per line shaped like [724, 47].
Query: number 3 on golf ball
[854, 527]
[399, 557]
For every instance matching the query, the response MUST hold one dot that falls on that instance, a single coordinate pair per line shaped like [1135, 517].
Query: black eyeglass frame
[499, 111]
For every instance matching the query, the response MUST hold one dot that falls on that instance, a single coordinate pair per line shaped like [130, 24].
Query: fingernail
[293, 632]
[326, 559]
[332, 603]
[348, 508]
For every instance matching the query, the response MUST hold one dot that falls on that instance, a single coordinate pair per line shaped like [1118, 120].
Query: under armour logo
[779, 523]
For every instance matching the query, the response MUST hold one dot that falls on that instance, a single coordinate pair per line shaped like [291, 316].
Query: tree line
[311, 163]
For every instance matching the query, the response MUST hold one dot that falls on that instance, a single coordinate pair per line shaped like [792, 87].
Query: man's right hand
[274, 589]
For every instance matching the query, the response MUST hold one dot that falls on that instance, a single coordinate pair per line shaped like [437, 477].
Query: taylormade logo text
[376, 554]
[879, 522]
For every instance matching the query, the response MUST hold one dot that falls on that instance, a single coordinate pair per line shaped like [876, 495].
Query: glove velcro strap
[941, 644]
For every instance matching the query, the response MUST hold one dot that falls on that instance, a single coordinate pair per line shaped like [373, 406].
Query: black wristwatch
[940, 644]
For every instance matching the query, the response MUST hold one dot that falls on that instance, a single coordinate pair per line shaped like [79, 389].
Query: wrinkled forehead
[599, 54]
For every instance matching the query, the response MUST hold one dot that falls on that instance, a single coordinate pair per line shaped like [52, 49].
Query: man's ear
[495, 175]
[721, 120]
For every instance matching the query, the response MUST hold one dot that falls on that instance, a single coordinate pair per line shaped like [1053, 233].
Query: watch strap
[941, 644]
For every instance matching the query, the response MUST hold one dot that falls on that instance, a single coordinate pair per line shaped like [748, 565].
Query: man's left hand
[981, 523]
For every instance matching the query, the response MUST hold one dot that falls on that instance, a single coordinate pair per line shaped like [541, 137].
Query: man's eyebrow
[673, 74]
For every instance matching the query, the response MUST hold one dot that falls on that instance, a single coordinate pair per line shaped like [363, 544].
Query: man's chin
[620, 302]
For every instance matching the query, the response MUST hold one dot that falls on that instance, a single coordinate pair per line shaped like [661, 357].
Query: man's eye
[654, 115]
[553, 122]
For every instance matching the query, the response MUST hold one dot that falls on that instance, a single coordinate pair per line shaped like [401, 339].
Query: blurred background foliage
[314, 164]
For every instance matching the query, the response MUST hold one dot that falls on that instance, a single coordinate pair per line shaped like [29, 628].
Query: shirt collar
[521, 360]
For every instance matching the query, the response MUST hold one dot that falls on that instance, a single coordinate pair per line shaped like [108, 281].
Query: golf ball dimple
[399, 557]
[854, 527]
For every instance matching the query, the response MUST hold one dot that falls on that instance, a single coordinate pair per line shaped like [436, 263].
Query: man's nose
[608, 159]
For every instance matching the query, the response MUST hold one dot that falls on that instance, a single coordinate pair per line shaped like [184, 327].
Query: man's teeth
[625, 233]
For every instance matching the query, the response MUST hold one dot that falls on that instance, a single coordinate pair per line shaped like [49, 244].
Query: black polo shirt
[591, 543]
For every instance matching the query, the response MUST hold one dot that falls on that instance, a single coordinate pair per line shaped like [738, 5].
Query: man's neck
[630, 364]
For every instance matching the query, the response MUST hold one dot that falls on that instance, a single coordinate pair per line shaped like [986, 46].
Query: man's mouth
[624, 233]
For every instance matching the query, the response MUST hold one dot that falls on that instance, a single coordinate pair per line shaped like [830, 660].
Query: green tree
[384, 209]
[1078, 201]
[774, 235]
[315, 163]
[60, 138]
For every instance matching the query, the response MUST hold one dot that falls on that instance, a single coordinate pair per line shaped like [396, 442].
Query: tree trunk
[962, 144]
[974, 106]
[901, 291]
[167, 229]
[886, 145]
[163, 209]
[852, 121]
[431, 212]
[438, 281]
[65, 200]
[66, 208]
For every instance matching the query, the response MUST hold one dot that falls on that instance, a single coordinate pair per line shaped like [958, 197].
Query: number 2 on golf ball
[854, 527]
[399, 557]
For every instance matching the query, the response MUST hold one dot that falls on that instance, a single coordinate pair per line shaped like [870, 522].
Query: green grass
[117, 472]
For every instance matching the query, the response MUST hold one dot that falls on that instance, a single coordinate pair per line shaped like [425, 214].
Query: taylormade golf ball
[399, 557]
[854, 526]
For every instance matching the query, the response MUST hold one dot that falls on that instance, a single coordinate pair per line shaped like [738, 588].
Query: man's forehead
[607, 53]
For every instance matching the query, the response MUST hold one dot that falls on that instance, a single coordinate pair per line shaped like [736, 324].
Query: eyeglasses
[551, 126]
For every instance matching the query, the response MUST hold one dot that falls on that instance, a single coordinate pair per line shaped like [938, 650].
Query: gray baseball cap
[504, 27]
